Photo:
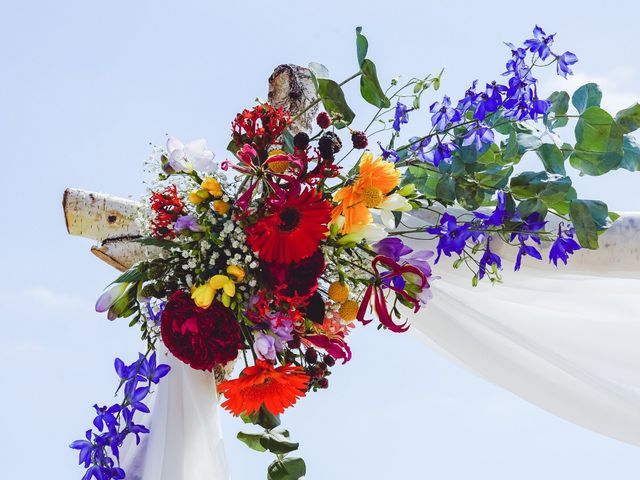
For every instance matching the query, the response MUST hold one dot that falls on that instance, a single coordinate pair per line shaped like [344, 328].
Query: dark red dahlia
[294, 228]
[299, 278]
[200, 337]
[323, 120]
[167, 207]
[359, 140]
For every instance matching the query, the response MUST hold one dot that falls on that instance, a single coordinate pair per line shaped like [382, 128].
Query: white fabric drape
[567, 340]
[564, 339]
[185, 442]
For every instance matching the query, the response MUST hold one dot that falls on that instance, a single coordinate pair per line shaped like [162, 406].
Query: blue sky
[87, 85]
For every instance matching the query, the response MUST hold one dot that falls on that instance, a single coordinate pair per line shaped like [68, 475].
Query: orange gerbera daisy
[275, 388]
[376, 179]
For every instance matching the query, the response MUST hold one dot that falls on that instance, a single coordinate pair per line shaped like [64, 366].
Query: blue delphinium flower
[469, 99]
[401, 116]
[541, 43]
[499, 214]
[516, 64]
[390, 155]
[153, 315]
[563, 246]
[523, 250]
[419, 147]
[118, 419]
[453, 237]
[478, 136]
[443, 114]
[564, 62]
[488, 258]
[440, 153]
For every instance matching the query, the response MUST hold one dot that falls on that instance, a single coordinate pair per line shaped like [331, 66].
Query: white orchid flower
[192, 156]
[393, 203]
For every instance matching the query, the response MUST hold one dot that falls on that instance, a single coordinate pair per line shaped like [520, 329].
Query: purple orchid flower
[187, 222]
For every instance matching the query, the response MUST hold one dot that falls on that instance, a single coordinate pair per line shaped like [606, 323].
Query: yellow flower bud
[224, 282]
[220, 207]
[236, 272]
[212, 186]
[203, 295]
[338, 292]
[226, 300]
[349, 310]
[198, 196]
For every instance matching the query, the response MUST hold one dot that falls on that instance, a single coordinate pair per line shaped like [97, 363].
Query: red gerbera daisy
[275, 388]
[293, 230]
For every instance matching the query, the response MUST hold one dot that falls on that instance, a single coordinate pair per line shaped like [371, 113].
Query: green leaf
[496, 177]
[319, 70]
[156, 242]
[552, 158]
[362, 45]
[290, 468]
[252, 440]
[469, 194]
[266, 419]
[445, 190]
[527, 141]
[588, 95]
[334, 102]
[589, 217]
[278, 443]
[546, 186]
[370, 88]
[599, 143]
[287, 138]
[527, 207]
[629, 118]
[134, 274]
[559, 106]
[631, 157]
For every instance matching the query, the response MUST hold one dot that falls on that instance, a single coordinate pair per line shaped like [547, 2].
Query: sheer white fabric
[567, 341]
[185, 442]
[564, 339]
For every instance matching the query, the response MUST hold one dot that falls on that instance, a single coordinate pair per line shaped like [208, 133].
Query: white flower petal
[174, 144]
[387, 219]
[395, 201]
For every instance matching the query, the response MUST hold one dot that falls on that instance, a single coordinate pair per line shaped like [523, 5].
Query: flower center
[290, 219]
[372, 197]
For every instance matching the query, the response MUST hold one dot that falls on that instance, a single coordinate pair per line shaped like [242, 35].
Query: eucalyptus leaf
[631, 156]
[589, 217]
[552, 158]
[528, 141]
[588, 95]
[445, 189]
[559, 106]
[277, 443]
[252, 440]
[290, 468]
[629, 118]
[599, 143]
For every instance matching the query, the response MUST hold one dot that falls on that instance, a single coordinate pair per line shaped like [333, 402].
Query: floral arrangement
[272, 257]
